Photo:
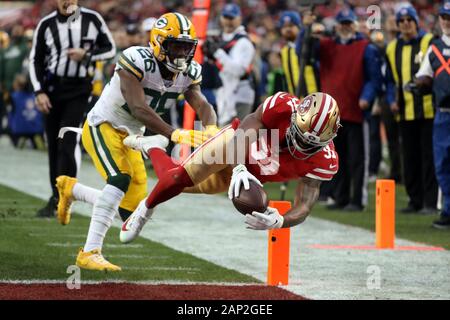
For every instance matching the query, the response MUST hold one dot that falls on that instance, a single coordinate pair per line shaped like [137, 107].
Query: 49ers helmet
[173, 40]
[314, 123]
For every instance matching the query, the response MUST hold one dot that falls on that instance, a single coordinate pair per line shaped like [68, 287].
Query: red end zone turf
[127, 291]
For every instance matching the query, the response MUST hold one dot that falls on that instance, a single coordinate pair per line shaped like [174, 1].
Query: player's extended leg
[137, 190]
[110, 157]
[205, 161]
[70, 190]
[215, 183]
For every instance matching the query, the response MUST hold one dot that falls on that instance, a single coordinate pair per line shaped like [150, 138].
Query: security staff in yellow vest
[413, 110]
[290, 25]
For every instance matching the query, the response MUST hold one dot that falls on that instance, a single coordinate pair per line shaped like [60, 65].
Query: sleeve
[105, 47]
[324, 164]
[194, 72]
[372, 74]
[277, 109]
[425, 68]
[131, 61]
[240, 58]
[390, 84]
[37, 58]
[314, 44]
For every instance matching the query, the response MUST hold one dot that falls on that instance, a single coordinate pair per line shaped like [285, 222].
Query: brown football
[253, 199]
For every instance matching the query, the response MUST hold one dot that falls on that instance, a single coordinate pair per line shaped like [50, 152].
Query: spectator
[234, 57]
[276, 79]
[4, 44]
[388, 118]
[349, 58]
[436, 66]
[374, 119]
[414, 112]
[61, 81]
[290, 24]
[25, 120]
[14, 56]
[134, 35]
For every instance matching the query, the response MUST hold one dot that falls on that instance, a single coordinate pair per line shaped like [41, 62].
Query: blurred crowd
[130, 22]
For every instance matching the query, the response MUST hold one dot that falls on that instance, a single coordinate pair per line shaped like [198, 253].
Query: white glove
[270, 219]
[240, 176]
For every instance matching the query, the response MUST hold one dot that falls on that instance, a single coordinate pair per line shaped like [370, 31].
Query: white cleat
[134, 224]
[145, 143]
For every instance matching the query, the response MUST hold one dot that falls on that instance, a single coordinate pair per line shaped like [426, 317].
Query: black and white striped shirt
[53, 37]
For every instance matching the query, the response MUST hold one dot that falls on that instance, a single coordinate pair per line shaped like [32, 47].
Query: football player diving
[146, 81]
[306, 153]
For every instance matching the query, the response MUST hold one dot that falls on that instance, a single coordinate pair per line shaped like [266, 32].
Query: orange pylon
[279, 244]
[385, 214]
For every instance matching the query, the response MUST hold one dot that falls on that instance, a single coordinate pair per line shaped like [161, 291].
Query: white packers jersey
[159, 95]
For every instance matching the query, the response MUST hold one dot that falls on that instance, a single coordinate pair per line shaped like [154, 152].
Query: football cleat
[93, 260]
[145, 143]
[64, 184]
[134, 224]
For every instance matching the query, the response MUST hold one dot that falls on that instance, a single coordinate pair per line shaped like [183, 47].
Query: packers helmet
[173, 40]
[314, 123]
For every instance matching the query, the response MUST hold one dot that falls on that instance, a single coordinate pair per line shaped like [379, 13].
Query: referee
[65, 43]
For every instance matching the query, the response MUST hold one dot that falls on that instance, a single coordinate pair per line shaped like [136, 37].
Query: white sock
[86, 194]
[105, 208]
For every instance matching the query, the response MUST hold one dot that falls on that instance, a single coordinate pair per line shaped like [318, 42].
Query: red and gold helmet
[173, 40]
[314, 123]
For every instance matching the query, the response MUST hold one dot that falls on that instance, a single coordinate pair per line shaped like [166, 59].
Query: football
[253, 199]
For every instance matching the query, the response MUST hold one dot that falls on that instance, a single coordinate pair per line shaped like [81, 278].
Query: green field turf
[413, 227]
[34, 249]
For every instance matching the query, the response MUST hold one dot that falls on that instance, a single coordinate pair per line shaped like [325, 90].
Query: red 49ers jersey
[268, 167]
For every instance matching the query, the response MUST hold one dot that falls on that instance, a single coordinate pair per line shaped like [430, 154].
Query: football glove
[240, 176]
[270, 219]
[194, 138]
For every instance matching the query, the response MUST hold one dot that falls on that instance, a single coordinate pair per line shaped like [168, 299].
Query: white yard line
[165, 282]
[208, 227]
[107, 245]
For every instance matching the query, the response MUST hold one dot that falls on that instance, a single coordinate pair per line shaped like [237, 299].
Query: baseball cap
[445, 9]
[231, 10]
[407, 11]
[289, 16]
[346, 15]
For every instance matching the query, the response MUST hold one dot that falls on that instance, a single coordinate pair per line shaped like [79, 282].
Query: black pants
[374, 144]
[348, 182]
[418, 165]
[393, 139]
[69, 104]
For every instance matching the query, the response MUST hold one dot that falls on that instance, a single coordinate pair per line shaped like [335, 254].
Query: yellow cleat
[93, 260]
[64, 184]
